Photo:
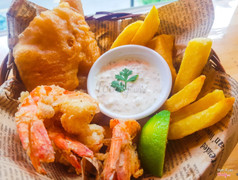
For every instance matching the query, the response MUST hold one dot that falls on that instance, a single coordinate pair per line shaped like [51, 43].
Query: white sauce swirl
[139, 95]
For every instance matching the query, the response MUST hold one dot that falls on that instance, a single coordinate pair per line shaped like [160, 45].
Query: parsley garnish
[123, 76]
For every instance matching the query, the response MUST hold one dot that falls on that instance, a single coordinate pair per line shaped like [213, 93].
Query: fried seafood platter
[59, 121]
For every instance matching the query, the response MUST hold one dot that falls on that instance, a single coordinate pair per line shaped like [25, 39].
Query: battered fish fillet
[55, 48]
[76, 4]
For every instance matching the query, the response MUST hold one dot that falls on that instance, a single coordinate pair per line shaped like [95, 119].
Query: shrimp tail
[41, 149]
[122, 153]
[123, 167]
[23, 131]
[70, 149]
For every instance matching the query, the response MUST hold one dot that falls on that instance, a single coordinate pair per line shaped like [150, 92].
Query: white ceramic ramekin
[145, 54]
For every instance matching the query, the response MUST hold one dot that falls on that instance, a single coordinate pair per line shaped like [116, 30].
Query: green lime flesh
[153, 142]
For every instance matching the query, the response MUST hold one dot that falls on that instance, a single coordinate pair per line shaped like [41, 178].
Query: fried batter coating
[76, 4]
[53, 125]
[55, 48]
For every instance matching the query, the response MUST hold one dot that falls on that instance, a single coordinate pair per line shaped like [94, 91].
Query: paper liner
[197, 156]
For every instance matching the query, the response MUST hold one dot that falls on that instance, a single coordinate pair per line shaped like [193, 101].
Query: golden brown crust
[76, 4]
[55, 48]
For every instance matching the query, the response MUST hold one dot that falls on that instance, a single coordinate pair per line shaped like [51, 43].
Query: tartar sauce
[138, 96]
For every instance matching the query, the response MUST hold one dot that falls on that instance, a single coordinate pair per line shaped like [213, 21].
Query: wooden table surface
[226, 47]
[227, 50]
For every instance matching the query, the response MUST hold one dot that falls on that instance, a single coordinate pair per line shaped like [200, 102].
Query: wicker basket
[7, 67]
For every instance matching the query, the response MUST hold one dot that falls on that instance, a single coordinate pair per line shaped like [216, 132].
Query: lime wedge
[153, 142]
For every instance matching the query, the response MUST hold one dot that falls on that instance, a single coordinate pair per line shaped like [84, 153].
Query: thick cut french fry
[163, 44]
[200, 105]
[200, 120]
[186, 96]
[194, 60]
[127, 34]
[148, 29]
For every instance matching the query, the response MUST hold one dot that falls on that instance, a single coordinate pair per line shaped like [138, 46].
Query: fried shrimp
[122, 161]
[53, 120]
[57, 48]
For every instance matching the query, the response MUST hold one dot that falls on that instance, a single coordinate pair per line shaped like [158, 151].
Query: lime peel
[153, 142]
